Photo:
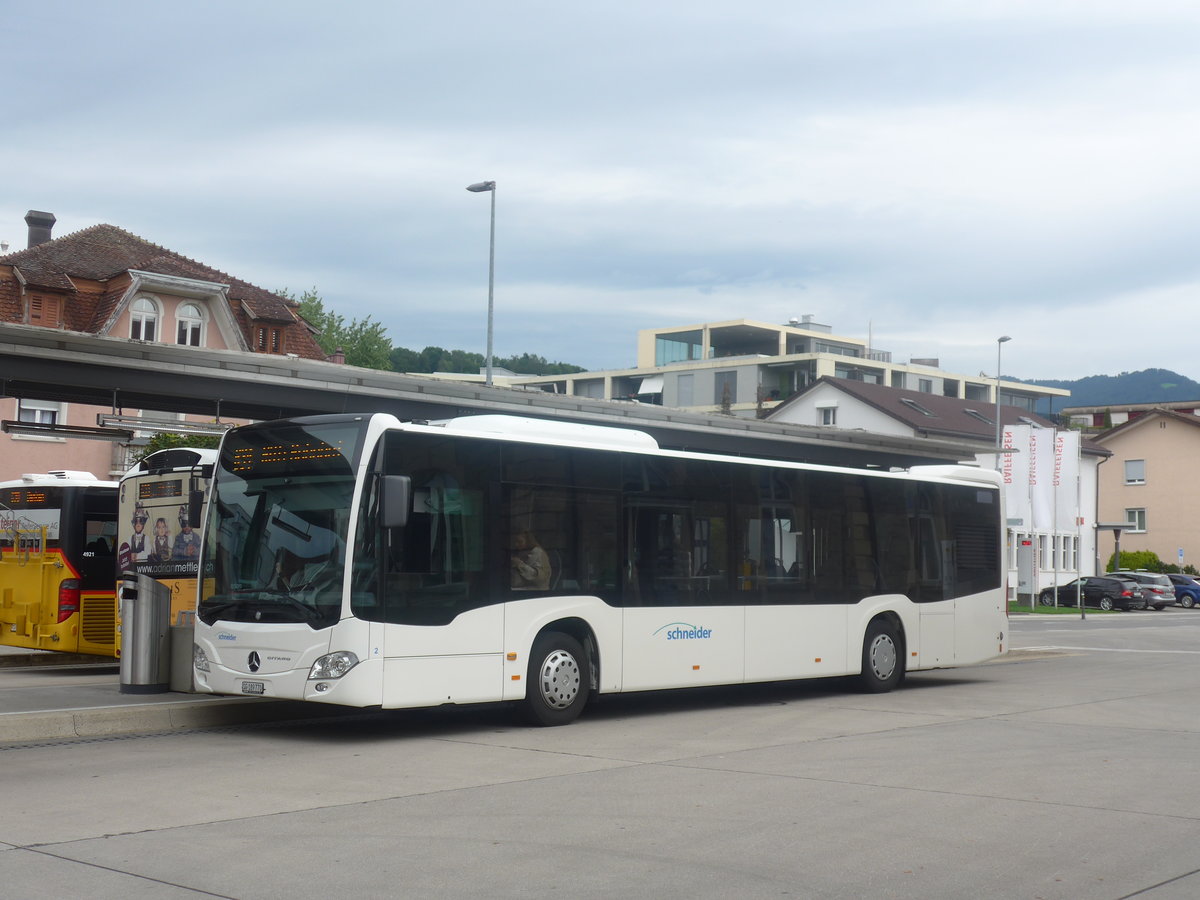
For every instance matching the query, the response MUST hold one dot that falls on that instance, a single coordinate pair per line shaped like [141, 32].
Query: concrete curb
[156, 717]
[18, 659]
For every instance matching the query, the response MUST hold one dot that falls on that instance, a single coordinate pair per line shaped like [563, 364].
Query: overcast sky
[929, 174]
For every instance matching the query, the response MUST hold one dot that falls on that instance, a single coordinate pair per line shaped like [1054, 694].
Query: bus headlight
[199, 658]
[333, 665]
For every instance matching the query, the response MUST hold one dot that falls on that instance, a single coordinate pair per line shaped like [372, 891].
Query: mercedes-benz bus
[365, 561]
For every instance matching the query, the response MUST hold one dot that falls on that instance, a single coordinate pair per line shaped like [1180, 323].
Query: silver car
[1158, 590]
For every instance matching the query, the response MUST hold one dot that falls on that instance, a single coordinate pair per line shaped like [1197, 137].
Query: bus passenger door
[679, 627]
[937, 615]
[442, 635]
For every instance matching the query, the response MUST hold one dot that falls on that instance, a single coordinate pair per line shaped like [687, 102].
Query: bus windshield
[275, 547]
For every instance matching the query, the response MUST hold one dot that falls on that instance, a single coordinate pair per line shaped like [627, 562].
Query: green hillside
[1147, 386]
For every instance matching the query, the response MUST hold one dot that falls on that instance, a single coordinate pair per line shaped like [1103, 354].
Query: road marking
[1109, 649]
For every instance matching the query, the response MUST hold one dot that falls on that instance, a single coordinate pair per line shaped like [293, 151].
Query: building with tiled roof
[108, 282]
[103, 280]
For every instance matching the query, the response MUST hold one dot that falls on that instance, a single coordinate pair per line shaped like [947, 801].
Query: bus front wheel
[882, 658]
[559, 681]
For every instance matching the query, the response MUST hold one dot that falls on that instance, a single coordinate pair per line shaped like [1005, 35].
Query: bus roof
[59, 478]
[544, 429]
[173, 459]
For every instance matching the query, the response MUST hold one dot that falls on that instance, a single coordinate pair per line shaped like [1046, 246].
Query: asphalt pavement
[1062, 772]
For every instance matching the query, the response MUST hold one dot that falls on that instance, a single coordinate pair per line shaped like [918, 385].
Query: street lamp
[1000, 341]
[1116, 528]
[479, 188]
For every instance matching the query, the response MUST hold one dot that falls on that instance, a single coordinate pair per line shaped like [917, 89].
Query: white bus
[160, 498]
[359, 560]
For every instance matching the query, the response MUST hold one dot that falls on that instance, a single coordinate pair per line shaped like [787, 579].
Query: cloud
[938, 172]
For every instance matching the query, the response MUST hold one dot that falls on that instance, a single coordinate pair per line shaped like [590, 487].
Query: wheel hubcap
[882, 656]
[560, 681]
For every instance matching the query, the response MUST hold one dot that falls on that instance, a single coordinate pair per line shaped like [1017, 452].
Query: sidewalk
[53, 696]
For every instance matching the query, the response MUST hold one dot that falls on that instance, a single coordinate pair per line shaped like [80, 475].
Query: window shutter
[45, 310]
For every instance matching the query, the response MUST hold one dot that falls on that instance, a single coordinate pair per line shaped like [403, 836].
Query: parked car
[1099, 591]
[1187, 590]
[1158, 588]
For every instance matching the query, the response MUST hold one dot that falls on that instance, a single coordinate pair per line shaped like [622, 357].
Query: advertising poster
[155, 538]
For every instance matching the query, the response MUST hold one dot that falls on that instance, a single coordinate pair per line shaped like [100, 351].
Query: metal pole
[999, 343]
[491, 287]
[479, 188]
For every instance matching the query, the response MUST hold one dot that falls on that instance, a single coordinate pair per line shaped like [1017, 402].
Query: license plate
[254, 687]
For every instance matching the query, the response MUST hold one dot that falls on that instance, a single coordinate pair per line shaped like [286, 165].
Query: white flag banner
[1014, 471]
[1066, 479]
[1041, 477]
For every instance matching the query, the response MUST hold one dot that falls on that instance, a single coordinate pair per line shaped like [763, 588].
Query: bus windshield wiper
[218, 608]
[310, 613]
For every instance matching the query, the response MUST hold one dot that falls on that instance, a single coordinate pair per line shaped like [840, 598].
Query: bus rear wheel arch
[558, 680]
[882, 656]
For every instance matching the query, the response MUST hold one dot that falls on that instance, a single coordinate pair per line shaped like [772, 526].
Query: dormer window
[189, 329]
[45, 310]
[143, 319]
[268, 338]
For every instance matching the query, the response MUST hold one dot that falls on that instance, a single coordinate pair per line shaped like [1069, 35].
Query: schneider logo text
[682, 631]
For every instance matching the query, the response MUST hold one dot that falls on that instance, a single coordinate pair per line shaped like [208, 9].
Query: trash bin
[145, 635]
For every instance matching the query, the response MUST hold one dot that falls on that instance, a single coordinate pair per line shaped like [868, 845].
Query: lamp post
[1116, 528]
[490, 187]
[1000, 341]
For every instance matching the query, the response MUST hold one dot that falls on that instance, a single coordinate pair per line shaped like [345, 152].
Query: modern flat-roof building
[746, 368]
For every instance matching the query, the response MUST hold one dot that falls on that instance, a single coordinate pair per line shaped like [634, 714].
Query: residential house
[1150, 486]
[105, 281]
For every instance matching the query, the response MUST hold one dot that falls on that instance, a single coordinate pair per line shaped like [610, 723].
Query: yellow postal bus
[57, 561]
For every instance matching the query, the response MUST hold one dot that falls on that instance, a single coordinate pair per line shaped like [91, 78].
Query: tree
[404, 360]
[438, 359]
[364, 342]
[329, 326]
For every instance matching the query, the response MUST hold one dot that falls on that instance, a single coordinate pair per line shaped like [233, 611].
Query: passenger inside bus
[531, 568]
[295, 573]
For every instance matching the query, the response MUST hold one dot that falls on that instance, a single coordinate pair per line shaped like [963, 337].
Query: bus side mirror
[195, 508]
[395, 500]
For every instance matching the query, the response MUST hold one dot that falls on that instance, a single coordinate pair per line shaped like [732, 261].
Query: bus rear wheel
[558, 680]
[882, 658]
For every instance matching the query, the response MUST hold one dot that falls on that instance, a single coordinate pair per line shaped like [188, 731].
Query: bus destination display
[157, 490]
[273, 457]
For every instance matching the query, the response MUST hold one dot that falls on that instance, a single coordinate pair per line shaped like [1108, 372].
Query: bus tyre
[882, 658]
[558, 680]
